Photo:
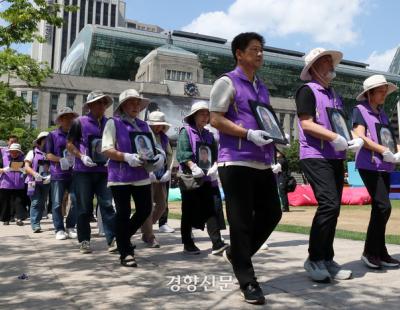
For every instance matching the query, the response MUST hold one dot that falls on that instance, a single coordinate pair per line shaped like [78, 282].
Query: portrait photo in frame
[268, 121]
[43, 168]
[95, 151]
[386, 137]
[142, 143]
[205, 156]
[339, 124]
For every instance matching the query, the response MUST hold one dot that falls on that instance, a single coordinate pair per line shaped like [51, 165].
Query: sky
[364, 30]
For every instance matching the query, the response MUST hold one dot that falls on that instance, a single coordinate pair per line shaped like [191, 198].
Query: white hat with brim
[131, 94]
[375, 81]
[313, 56]
[41, 135]
[157, 118]
[15, 147]
[97, 95]
[65, 111]
[197, 106]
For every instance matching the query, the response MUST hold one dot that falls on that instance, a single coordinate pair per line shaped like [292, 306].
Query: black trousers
[12, 203]
[378, 186]
[127, 225]
[282, 185]
[326, 178]
[253, 211]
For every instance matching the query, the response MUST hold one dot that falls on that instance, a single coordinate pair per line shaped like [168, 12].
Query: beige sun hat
[15, 147]
[132, 93]
[374, 81]
[158, 118]
[65, 111]
[313, 56]
[197, 106]
[41, 135]
[97, 95]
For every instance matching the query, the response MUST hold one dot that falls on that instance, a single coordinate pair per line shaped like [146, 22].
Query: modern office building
[108, 13]
[134, 24]
[395, 64]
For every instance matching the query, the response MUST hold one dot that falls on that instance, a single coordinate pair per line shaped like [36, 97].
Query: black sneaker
[388, 261]
[191, 249]
[219, 248]
[253, 294]
[371, 261]
[19, 223]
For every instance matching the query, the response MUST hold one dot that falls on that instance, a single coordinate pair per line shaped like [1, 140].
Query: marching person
[89, 177]
[61, 163]
[12, 185]
[375, 162]
[128, 175]
[199, 205]
[38, 169]
[159, 179]
[322, 152]
[245, 157]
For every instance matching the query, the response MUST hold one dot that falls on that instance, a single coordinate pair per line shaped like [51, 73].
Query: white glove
[160, 161]
[64, 163]
[339, 144]
[166, 177]
[6, 169]
[46, 180]
[153, 178]
[258, 137]
[133, 160]
[276, 168]
[356, 144]
[285, 146]
[196, 171]
[87, 161]
[213, 172]
[38, 177]
[389, 157]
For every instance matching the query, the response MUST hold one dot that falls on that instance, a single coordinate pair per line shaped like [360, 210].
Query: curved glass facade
[115, 53]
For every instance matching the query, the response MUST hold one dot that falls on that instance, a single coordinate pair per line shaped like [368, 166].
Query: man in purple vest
[90, 172]
[322, 152]
[244, 160]
[61, 174]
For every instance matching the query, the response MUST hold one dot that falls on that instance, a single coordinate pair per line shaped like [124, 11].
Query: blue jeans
[86, 185]
[58, 189]
[38, 203]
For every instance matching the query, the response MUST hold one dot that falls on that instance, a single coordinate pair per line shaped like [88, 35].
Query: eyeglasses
[255, 50]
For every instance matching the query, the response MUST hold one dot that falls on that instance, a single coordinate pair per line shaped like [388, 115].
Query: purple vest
[196, 137]
[90, 127]
[233, 148]
[311, 147]
[11, 179]
[38, 156]
[59, 139]
[120, 171]
[367, 159]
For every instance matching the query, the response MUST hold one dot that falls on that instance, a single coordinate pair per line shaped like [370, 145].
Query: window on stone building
[71, 101]
[35, 100]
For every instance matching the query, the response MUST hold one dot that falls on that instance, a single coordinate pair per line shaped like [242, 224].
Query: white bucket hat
[197, 106]
[41, 135]
[97, 95]
[65, 111]
[132, 93]
[374, 81]
[158, 118]
[313, 56]
[15, 147]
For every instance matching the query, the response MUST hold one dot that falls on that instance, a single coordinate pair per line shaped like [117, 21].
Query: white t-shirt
[29, 156]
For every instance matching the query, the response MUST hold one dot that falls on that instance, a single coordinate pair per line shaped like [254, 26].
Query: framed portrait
[143, 144]
[338, 121]
[268, 121]
[205, 156]
[16, 165]
[43, 168]
[95, 151]
[386, 137]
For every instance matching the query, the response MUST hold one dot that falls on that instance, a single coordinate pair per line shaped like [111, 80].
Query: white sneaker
[264, 247]
[72, 234]
[166, 229]
[61, 235]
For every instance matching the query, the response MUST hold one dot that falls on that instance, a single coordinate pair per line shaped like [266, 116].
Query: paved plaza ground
[59, 277]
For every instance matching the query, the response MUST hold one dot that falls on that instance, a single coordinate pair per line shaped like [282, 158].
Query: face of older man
[98, 108]
[252, 56]
[131, 107]
[323, 66]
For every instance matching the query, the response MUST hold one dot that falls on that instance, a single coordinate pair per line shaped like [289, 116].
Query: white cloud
[381, 61]
[326, 21]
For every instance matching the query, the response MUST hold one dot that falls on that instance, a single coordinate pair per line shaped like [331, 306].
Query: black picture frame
[145, 153]
[381, 128]
[43, 168]
[339, 124]
[95, 151]
[268, 121]
[211, 156]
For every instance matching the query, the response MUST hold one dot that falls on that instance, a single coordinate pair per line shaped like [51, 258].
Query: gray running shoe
[336, 270]
[317, 271]
[85, 247]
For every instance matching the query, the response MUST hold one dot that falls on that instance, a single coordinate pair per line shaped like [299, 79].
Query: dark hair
[242, 40]
[203, 148]
[12, 137]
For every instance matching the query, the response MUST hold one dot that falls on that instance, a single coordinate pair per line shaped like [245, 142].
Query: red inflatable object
[304, 196]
